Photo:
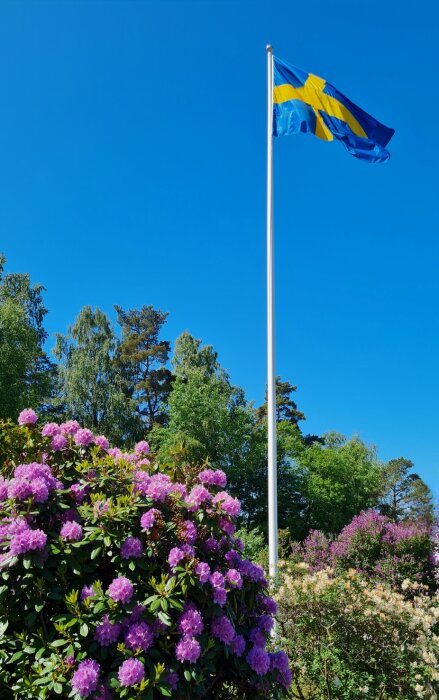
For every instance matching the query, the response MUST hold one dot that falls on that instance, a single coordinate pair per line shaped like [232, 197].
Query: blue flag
[302, 102]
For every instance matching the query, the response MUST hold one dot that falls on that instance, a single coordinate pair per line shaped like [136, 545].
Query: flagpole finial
[269, 48]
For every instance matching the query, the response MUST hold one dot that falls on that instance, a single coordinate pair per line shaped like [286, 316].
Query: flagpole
[271, 377]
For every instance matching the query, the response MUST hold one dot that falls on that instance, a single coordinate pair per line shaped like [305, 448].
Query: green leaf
[59, 642]
[84, 629]
[95, 553]
[57, 687]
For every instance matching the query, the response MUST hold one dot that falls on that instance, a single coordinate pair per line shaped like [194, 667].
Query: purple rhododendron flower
[217, 580]
[159, 487]
[148, 519]
[19, 489]
[227, 526]
[197, 496]
[87, 592]
[179, 489]
[143, 462]
[258, 660]
[175, 556]
[71, 531]
[50, 429]
[107, 632]
[121, 590]
[83, 437]
[26, 541]
[213, 477]
[115, 452]
[229, 505]
[257, 637]
[237, 645]
[141, 448]
[3, 489]
[79, 491]
[40, 490]
[202, 570]
[131, 672]
[232, 557]
[211, 544]
[139, 636]
[223, 629]
[189, 531]
[279, 661]
[253, 571]
[132, 547]
[188, 550]
[141, 481]
[219, 596]
[188, 649]
[265, 622]
[267, 604]
[27, 417]
[234, 578]
[127, 457]
[70, 514]
[172, 680]
[191, 622]
[70, 427]
[59, 442]
[102, 442]
[85, 679]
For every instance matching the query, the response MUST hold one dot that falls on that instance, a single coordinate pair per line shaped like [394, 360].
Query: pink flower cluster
[213, 477]
[30, 481]
[121, 590]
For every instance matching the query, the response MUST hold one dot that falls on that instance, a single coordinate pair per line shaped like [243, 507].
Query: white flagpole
[271, 377]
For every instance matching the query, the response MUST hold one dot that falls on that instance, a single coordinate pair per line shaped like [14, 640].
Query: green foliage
[348, 639]
[255, 546]
[26, 374]
[206, 412]
[286, 407]
[404, 494]
[142, 357]
[338, 480]
[92, 385]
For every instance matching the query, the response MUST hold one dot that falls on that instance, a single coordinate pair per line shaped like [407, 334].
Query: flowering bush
[349, 638]
[375, 546]
[120, 581]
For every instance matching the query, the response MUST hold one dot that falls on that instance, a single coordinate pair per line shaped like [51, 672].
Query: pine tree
[142, 358]
[405, 494]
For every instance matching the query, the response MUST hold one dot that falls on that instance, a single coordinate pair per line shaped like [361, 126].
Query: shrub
[120, 581]
[375, 546]
[348, 638]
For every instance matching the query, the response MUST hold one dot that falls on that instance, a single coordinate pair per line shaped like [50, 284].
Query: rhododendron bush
[119, 580]
[376, 546]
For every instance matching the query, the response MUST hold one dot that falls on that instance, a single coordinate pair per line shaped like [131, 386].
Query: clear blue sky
[132, 171]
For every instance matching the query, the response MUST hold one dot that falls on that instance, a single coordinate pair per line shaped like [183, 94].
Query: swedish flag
[302, 102]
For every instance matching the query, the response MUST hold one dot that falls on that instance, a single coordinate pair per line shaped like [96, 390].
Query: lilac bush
[122, 581]
[376, 547]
